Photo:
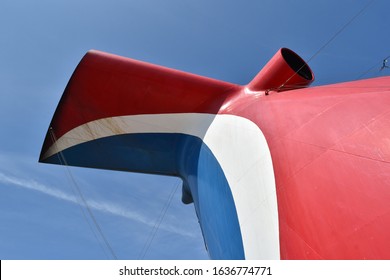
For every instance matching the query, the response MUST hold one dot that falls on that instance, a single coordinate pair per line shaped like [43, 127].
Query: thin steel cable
[156, 226]
[82, 198]
[374, 67]
[79, 203]
[331, 39]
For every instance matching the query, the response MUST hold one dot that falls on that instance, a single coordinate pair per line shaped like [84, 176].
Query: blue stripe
[177, 155]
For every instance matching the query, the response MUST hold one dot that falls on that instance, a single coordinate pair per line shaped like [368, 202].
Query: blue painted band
[173, 154]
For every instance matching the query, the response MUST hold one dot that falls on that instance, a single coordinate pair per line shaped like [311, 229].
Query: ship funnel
[285, 71]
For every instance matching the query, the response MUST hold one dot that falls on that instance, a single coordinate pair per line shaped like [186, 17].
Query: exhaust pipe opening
[285, 71]
[297, 64]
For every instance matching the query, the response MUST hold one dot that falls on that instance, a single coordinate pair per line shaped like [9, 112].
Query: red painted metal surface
[330, 149]
[330, 145]
[106, 85]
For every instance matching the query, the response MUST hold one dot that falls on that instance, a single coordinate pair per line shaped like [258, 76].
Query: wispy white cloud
[103, 206]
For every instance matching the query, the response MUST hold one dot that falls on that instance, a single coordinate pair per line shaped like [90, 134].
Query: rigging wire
[83, 202]
[79, 202]
[331, 39]
[156, 226]
[375, 67]
[367, 71]
[384, 65]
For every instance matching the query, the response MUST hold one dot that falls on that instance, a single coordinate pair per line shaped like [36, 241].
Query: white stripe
[241, 150]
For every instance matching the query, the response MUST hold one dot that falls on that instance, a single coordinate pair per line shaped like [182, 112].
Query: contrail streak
[103, 206]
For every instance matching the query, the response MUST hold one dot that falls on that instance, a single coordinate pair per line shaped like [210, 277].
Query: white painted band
[241, 150]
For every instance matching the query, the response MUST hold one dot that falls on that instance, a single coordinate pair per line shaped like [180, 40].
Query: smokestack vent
[285, 71]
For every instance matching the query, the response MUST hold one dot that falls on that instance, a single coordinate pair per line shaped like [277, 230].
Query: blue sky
[41, 43]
